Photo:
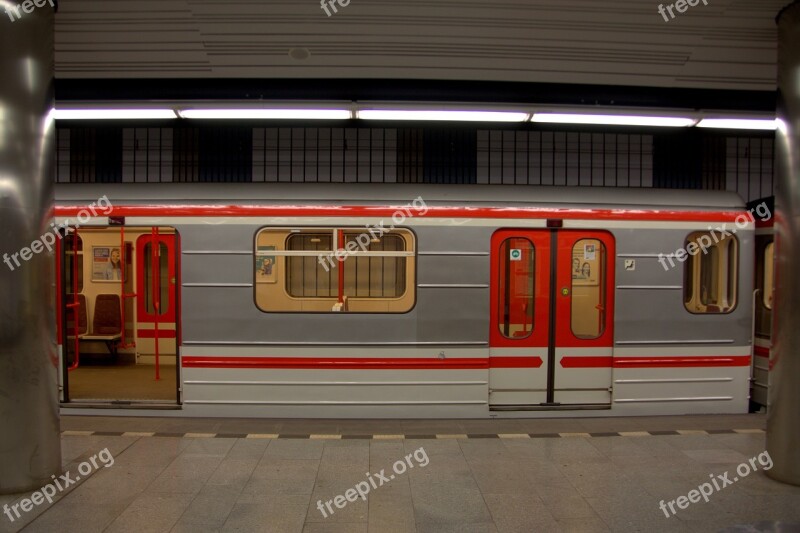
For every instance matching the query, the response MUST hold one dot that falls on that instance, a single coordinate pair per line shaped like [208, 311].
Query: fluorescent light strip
[260, 113]
[113, 114]
[456, 116]
[613, 120]
[417, 115]
[738, 124]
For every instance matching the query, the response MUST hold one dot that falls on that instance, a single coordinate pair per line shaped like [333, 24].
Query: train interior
[118, 302]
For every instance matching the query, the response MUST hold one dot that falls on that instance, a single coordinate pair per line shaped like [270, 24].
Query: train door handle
[565, 291]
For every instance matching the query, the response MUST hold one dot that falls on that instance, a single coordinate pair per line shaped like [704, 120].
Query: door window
[588, 288]
[150, 279]
[516, 288]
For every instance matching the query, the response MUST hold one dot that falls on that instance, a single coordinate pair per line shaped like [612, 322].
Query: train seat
[107, 322]
[83, 322]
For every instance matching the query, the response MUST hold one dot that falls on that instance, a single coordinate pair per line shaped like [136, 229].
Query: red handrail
[122, 282]
[340, 246]
[123, 295]
[525, 317]
[156, 265]
[75, 305]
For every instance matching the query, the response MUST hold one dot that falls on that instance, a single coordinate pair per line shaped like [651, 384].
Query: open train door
[118, 316]
[552, 309]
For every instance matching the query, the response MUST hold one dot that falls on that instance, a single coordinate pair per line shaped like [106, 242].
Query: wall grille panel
[326, 155]
[511, 157]
[147, 155]
[689, 159]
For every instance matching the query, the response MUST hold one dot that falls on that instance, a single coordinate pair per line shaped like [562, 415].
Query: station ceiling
[725, 45]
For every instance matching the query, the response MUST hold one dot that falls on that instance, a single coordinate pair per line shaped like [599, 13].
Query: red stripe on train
[575, 361]
[349, 363]
[761, 351]
[358, 363]
[654, 362]
[681, 362]
[388, 211]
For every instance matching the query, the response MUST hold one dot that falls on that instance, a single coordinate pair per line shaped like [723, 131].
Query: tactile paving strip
[629, 434]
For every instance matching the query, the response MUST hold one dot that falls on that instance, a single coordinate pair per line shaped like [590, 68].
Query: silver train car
[400, 301]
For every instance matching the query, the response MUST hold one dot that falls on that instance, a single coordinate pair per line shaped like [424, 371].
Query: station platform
[578, 474]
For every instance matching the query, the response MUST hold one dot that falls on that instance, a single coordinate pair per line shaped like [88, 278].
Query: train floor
[123, 380]
[600, 474]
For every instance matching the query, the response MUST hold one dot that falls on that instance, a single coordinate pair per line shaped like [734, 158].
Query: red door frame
[541, 318]
[564, 336]
[552, 323]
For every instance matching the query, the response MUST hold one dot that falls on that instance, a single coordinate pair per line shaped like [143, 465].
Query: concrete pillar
[30, 447]
[783, 425]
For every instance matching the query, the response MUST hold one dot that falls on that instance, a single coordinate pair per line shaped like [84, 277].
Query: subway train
[404, 301]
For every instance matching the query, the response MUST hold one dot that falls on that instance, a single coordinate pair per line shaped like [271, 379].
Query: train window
[515, 304]
[711, 273]
[306, 277]
[588, 288]
[70, 249]
[769, 273]
[149, 279]
[331, 270]
[709, 270]
[375, 276]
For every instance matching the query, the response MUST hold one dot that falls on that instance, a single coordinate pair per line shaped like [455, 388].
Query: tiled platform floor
[216, 480]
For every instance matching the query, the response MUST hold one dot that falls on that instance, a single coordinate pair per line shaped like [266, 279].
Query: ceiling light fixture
[739, 123]
[114, 114]
[613, 120]
[266, 114]
[441, 115]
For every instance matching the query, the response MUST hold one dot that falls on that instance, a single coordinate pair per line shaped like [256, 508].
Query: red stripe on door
[574, 361]
[515, 362]
[151, 333]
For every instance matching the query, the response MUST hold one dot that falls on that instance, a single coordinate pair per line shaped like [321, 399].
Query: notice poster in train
[106, 264]
[265, 265]
[585, 264]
